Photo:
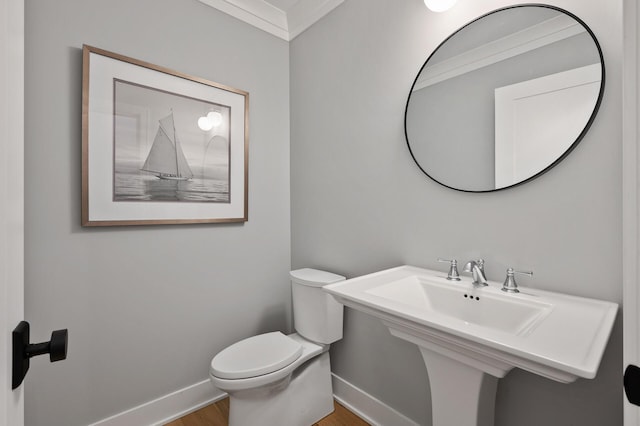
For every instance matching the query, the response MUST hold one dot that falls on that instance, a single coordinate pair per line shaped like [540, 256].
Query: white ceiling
[283, 18]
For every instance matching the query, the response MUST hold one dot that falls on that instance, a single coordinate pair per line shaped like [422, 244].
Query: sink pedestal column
[463, 380]
[460, 395]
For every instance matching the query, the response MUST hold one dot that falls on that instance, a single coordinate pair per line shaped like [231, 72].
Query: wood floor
[218, 415]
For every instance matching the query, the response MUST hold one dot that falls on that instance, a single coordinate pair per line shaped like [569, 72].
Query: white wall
[146, 307]
[360, 204]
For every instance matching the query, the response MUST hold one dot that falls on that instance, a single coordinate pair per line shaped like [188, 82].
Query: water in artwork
[132, 184]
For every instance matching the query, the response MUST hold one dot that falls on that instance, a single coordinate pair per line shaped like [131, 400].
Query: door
[11, 200]
[631, 197]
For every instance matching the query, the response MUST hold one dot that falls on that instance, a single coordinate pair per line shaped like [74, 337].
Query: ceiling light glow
[439, 5]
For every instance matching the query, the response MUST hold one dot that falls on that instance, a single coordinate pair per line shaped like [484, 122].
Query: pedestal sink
[470, 337]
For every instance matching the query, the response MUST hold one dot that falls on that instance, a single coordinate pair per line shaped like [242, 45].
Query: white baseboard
[187, 400]
[367, 407]
[168, 407]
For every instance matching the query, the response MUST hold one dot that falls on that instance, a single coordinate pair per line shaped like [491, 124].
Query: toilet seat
[256, 356]
[309, 351]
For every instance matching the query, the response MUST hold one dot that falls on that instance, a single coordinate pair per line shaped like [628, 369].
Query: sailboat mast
[175, 146]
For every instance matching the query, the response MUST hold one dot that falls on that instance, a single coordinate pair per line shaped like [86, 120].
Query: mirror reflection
[504, 98]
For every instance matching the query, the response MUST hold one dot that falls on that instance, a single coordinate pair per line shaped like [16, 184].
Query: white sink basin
[460, 302]
[470, 337]
[555, 335]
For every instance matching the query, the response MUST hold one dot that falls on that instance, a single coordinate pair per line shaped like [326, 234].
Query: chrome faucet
[476, 267]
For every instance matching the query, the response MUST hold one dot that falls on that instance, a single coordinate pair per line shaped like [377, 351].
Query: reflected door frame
[541, 118]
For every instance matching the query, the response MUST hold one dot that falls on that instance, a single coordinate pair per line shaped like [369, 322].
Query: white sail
[166, 158]
[162, 156]
[183, 167]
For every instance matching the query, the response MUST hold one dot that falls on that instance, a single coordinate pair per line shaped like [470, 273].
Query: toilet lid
[255, 356]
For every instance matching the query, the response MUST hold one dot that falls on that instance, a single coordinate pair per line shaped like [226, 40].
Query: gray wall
[359, 203]
[146, 307]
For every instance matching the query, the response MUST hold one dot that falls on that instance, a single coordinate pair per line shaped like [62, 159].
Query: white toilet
[273, 379]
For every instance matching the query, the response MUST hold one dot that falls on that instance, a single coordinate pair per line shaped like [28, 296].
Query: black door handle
[23, 350]
[632, 384]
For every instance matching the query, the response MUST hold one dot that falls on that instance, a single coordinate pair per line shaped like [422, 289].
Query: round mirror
[504, 98]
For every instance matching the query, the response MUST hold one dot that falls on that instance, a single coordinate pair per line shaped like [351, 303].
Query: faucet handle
[510, 285]
[453, 269]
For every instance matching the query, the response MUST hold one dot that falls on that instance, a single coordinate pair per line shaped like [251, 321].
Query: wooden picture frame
[159, 146]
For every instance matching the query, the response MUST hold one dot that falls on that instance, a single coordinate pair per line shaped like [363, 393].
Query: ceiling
[283, 18]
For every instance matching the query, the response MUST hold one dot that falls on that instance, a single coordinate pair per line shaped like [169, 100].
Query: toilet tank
[316, 314]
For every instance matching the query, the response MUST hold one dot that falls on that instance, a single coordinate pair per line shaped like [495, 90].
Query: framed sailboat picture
[160, 146]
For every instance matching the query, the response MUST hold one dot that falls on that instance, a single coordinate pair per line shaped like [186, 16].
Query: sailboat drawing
[166, 159]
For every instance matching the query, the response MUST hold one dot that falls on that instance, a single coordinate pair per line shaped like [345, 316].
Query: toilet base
[298, 400]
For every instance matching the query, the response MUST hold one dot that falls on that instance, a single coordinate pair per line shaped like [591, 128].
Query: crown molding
[542, 34]
[283, 24]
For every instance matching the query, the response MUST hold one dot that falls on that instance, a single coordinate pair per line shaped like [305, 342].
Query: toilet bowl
[285, 380]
